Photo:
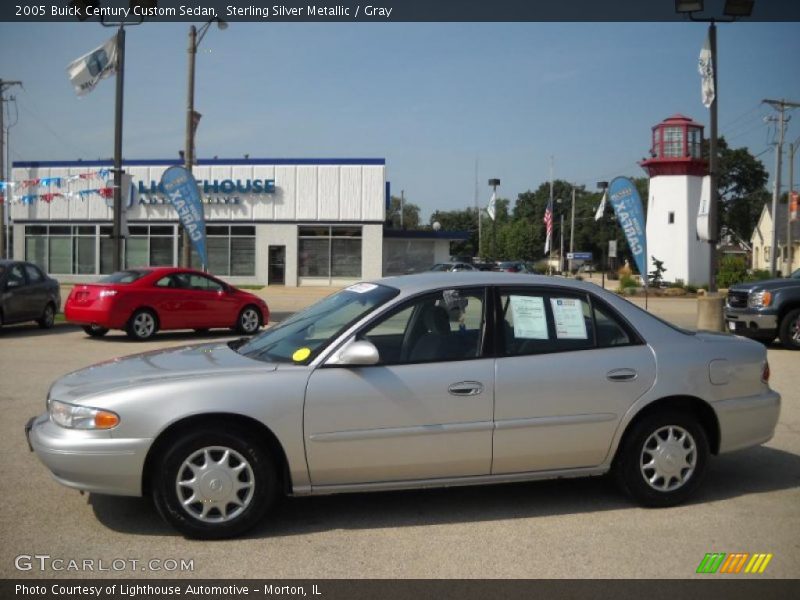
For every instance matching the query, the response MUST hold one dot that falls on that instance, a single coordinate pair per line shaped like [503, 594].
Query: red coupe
[142, 301]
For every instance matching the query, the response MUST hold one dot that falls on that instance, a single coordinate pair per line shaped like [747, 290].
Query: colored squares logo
[734, 564]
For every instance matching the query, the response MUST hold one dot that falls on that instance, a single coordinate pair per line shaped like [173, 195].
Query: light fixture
[688, 6]
[738, 8]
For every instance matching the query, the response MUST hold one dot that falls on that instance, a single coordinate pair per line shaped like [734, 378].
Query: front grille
[737, 299]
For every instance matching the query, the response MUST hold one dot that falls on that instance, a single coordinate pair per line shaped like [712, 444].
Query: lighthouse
[678, 182]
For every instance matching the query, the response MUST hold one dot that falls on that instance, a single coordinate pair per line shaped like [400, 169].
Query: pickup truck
[764, 310]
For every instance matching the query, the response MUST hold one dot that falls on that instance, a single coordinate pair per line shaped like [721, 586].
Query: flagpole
[550, 245]
[477, 210]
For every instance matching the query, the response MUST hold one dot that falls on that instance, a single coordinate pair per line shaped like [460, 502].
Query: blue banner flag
[628, 208]
[184, 194]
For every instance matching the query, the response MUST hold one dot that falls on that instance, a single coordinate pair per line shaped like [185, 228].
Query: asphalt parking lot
[750, 502]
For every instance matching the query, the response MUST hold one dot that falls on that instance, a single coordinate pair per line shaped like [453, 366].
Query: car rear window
[124, 276]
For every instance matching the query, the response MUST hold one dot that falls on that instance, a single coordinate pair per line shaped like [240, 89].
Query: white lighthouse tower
[678, 180]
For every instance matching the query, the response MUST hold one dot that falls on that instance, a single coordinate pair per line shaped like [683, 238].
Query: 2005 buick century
[411, 382]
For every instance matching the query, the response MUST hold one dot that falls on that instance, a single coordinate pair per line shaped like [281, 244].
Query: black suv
[764, 310]
[27, 294]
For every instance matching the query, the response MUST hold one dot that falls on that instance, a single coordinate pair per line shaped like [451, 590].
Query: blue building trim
[203, 162]
[425, 234]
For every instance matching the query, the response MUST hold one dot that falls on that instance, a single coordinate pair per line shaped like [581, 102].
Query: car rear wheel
[790, 329]
[213, 484]
[48, 318]
[95, 330]
[662, 459]
[142, 325]
[249, 320]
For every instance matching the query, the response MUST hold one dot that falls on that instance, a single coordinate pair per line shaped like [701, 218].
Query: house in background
[761, 241]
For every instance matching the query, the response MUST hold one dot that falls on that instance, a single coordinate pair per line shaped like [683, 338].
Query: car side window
[443, 326]
[609, 331]
[16, 277]
[199, 282]
[34, 274]
[536, 322]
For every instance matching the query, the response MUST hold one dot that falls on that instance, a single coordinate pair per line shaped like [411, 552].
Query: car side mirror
[360, 352]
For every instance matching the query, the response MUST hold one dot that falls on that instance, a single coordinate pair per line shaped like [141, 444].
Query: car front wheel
[213, 484]
[662, 459]
[790, 329]
[142, 325]
[249, 320]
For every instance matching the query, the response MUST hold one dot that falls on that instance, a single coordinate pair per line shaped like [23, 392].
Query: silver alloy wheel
[144, 325]
[249, 320]
[668, 458]
[215, 484]
[794, 330]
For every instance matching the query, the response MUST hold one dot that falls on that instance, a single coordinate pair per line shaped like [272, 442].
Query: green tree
[742, 180]
[459, 220]
[411, 219]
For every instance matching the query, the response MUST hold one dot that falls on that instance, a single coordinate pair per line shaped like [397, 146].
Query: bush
[732, 270]
[626, 280]
[759, 275]
[692, 289]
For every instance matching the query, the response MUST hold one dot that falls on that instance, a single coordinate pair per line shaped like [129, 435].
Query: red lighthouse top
[677, 148]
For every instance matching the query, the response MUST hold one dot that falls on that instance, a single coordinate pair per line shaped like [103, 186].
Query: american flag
[548, 224]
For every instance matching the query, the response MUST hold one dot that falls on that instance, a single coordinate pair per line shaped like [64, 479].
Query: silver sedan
[411, 382]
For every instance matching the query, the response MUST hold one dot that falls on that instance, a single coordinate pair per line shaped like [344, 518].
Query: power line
[32, 112]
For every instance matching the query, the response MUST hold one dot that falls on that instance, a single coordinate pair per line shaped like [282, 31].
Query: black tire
[142, 325]
[48, 318]
[249, 320]
[201, 330]
[223, 519]
[95, 330]
[789, 330]
[678, 481]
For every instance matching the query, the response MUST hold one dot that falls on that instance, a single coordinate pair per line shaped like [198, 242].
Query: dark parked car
[764, 310]
[27, 294]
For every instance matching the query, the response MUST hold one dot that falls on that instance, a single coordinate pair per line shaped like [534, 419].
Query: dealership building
[268, 221]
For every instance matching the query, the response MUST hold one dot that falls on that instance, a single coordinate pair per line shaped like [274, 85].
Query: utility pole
[4, 203]
[781, 106]
[402, 206]
[478, 211]
[789, 253]
[572, 230]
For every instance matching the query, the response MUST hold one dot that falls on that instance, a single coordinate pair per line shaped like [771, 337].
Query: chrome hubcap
[215, 484]
[249, 320]
[794, 331]
[668, 458]
[144, 324]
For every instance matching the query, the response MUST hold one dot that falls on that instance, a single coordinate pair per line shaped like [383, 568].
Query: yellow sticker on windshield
[301, 354]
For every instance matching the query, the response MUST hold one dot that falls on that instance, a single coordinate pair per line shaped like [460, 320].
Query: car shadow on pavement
[27, 330]
[752, 471]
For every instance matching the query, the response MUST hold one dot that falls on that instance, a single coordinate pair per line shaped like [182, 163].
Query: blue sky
[428, 97]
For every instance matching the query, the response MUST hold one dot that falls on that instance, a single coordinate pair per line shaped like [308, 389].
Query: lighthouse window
[673, 141]
[671, 218]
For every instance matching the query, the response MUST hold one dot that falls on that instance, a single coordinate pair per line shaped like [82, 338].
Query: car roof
[420, 282]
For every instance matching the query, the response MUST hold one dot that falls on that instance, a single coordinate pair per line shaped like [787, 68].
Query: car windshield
[440, 267]
[300, 338]
[123, 277]
[796, 274]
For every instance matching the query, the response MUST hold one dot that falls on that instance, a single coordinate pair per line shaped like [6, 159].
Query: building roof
[199, 162]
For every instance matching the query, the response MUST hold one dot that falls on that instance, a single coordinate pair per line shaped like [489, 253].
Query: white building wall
[372, 251]
[685, 257]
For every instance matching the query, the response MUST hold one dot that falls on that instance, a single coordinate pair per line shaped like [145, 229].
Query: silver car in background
[411, 382]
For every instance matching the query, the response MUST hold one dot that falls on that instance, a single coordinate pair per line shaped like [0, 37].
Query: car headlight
[759, 299]
[73, 416]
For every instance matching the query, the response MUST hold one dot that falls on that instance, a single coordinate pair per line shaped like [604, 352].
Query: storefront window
[60, 254]
[329, 251]
[85, 255]
[136, 253]
[243, 256]
[231, 250]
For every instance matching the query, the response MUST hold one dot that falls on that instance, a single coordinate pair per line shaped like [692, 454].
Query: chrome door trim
[554, 421]
[391, 432]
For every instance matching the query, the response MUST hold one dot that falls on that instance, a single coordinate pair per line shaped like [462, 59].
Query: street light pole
[572, 231]
[117, 226]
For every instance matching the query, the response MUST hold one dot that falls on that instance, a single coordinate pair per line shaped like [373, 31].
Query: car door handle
[466, 388]
[621, 375]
